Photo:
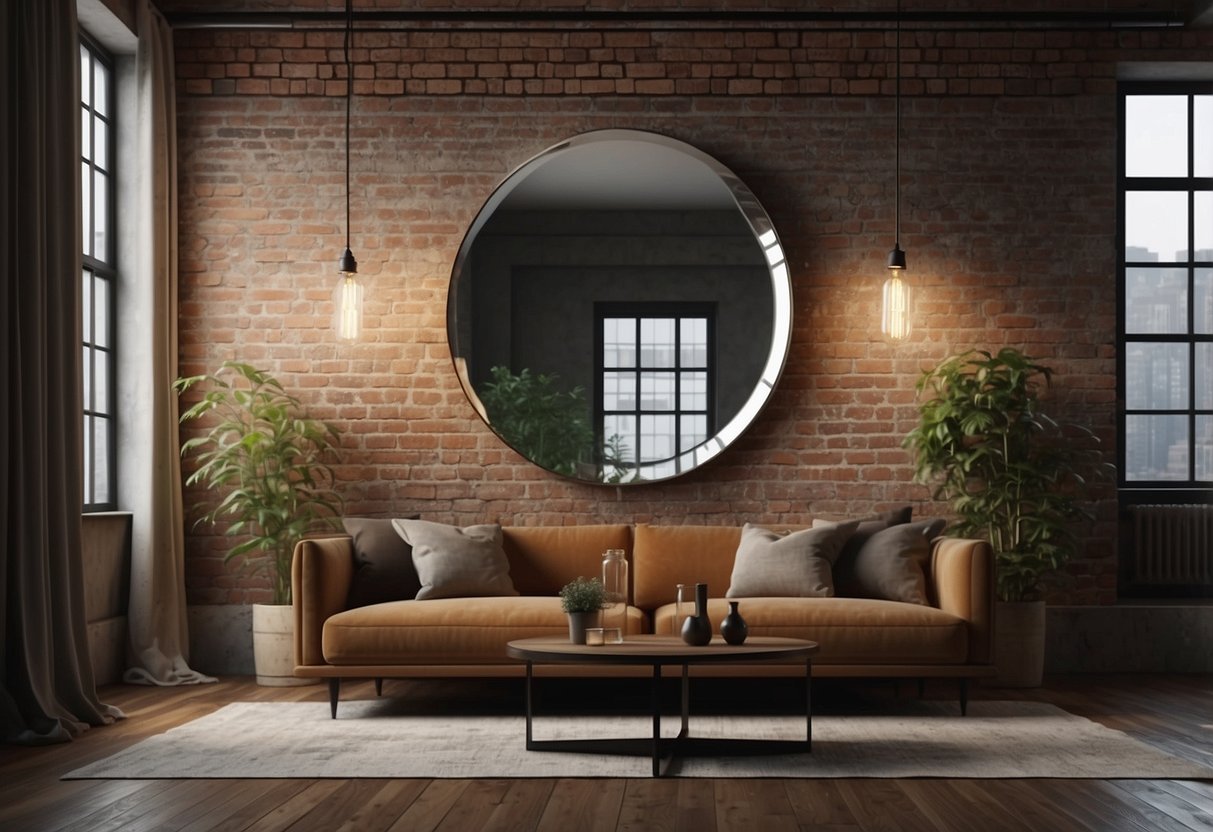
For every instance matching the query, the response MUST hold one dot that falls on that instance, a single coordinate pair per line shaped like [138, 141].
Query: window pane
[1156, 226]
[657, 342]
[693, 342]
[1203, 139]
[85, 72]
[101, 382]
[620, 435]
[656, 437]
[619, 342]
[694, 430]
[87, 377]
[86, 203]
[101, 475]
[86, 304]
[87, 479]
[100, 217]
[1204, 301]
[1204, 376]
[1156, 135]
[85, 135]
[1204, 447]
[1202, 225]
[656, 391]
[101, 135]
[101, 79]
[1156, 376]
[618, 391]
[694, 393]
[101, 334]
[1156, 447]
[1156, 300]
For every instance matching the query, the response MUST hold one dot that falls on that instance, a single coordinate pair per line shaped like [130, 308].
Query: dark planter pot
[578, 623]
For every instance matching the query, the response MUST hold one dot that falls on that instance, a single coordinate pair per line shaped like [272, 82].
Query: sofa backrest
[545, 558]
[665, 556]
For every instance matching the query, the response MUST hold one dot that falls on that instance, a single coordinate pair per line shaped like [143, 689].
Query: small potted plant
[582, 599]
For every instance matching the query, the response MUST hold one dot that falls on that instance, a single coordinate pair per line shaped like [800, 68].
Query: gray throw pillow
[890, 564]
[457, 563]
[383, 563]
[795, 564]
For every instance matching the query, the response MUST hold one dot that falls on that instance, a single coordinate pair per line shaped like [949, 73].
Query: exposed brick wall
[1008, 220]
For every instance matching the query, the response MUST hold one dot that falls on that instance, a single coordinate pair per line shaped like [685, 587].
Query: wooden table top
[660, 650]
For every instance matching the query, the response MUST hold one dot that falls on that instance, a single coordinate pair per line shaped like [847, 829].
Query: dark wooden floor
[1172, 712]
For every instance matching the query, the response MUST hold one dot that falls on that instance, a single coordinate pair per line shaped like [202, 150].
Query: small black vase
[733, 628]
[697, 629]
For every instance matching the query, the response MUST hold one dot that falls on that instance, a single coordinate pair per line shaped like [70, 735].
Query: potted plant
[1014, 477]
[270, 463]
[582, 599]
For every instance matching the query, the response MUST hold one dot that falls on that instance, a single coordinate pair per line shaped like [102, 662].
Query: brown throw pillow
[457, 563]
[890, 564]
[383, 563]
[795, 564]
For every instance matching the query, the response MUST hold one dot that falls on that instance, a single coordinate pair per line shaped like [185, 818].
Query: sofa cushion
[858, 631]
[383, 563]
[768, 563]
[889, 564]
[445, 630]
[457, 563]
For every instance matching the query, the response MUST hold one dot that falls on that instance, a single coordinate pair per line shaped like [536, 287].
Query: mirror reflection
[620, 308]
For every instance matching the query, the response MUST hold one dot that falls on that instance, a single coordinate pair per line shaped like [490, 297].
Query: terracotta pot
[1019, 643]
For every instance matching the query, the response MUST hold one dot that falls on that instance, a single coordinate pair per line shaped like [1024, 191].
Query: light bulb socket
[897, 258]
[347, 264]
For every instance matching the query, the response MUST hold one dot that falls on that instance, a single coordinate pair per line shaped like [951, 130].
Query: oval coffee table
[656, 651]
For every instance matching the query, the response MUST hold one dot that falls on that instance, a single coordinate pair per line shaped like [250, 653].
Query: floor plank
[1171, 712]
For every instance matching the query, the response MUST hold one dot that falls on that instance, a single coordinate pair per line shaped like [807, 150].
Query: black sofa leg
[379, 686]
[964, 697]
[334, 690]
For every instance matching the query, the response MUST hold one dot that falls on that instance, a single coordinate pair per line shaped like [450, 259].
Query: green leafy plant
[582, 595]
[271, 461]
[547, 425]
[1014, 476]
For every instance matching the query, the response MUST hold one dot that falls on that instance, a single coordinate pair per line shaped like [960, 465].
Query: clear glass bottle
[615, 604]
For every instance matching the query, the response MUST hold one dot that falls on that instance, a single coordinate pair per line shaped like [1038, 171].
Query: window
[655, 383]
[98, 275]
[1166, 286]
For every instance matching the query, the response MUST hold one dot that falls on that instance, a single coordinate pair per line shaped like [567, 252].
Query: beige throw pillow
[457, 563]
[793, 564]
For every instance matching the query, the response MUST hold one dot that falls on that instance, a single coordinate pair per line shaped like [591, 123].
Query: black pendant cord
[897, 137]
[349, 95]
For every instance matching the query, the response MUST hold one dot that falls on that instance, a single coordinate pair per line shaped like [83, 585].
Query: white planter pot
[1019, 643]
[274, 646]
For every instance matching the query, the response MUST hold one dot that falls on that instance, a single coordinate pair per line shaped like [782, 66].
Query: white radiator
[1173, 544]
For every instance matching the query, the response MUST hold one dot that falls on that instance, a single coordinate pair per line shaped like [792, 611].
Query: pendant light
[347, 297]
[896, 302]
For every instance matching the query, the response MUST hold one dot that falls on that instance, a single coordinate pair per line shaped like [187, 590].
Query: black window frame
[97, 270]
[1191, 489]
[678, 310]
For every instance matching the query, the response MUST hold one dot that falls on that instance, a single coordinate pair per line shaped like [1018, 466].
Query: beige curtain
[47, 692]
[150, 471]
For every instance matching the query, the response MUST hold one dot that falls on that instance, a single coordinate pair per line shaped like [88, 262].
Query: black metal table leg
[529, 709]
[686, 702]
[808, 703]
[656, 720]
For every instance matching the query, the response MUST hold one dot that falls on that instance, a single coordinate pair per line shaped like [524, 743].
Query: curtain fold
[47, 690]
[158, 635]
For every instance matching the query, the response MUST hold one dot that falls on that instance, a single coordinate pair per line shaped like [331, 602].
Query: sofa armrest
[321, 571]
[962, 582]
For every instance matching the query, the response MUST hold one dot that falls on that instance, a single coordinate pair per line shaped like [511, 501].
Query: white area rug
[996, 739]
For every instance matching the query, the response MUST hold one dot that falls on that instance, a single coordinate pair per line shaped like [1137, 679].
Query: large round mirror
[620, 308]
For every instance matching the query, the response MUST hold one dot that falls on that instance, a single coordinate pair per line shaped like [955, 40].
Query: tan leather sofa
[452, 637]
